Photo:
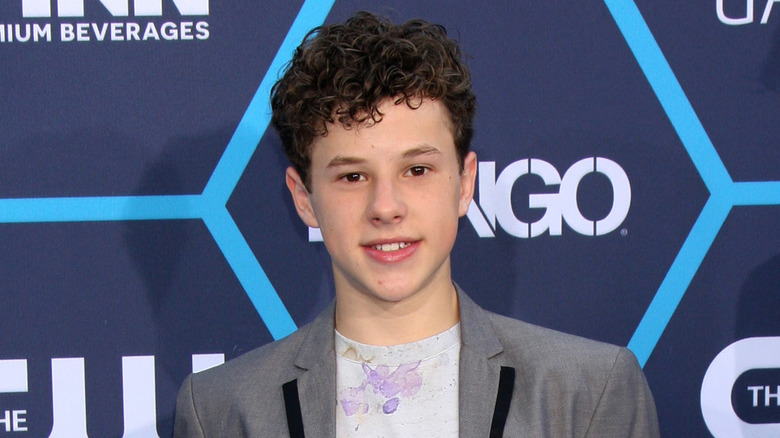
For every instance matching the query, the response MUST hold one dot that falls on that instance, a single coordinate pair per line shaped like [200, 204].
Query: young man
[376, 120]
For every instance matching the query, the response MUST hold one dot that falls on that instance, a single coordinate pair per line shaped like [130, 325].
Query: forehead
[399, 129]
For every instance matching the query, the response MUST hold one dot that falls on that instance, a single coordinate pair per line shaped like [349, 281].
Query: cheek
[444, 204]
[336, 214]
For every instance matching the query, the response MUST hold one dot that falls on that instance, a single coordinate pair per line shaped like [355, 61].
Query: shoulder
[597, 387]
[575, 361]
[534, 349]
[544, 346]
[261, 371]
[216, 401]
[272, 361]
[273, 364]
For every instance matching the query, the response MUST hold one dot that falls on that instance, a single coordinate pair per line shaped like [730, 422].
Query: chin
[391, 295]
[395, 291]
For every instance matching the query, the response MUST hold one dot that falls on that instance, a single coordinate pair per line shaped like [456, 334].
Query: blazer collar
[476, 330]
[318, 339]
[476, 333]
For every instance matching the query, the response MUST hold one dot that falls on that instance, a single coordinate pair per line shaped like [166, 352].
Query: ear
[467, 181]
[301, 197]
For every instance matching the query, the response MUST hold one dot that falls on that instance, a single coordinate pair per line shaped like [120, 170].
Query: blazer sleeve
[186, 423]
[626, 407]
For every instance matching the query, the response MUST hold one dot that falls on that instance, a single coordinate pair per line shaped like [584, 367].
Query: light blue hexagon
[724, 193]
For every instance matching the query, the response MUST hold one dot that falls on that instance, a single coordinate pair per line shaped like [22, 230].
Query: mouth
[389, 247]
[391, 250]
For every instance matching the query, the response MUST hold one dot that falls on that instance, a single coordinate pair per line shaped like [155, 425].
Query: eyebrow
[339, 160]
[423, 149]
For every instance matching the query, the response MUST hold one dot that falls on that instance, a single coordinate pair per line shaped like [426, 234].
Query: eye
[417, 171]
[353, 177]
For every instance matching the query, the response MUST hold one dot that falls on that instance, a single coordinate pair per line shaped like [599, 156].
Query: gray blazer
[564, 386]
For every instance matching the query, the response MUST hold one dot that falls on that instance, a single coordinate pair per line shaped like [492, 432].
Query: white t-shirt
[398, 391]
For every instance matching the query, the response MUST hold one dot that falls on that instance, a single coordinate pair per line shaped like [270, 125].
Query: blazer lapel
[478, 388]
[480, 371]
[317, 384]
[318, 400]
[478, 374]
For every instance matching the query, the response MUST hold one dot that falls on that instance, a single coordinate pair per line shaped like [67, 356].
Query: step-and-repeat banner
[629, 191]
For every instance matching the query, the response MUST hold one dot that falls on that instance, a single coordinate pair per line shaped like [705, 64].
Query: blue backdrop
[629, 192]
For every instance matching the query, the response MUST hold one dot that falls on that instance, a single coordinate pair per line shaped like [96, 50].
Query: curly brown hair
[342, 72]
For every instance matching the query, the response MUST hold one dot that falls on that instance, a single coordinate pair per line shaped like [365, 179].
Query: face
[387, 198]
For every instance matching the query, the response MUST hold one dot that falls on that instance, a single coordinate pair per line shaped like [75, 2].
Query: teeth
[391, 246]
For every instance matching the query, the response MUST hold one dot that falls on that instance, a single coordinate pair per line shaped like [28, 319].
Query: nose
[386, 205]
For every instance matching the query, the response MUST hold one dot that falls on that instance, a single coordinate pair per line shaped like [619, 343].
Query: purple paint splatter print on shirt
[404, 381]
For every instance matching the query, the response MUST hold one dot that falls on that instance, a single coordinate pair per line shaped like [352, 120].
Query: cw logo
[721, 384]
[495, 199]
[69, 398]
[117, 8]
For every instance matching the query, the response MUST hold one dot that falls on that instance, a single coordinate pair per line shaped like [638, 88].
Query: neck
[374, 322]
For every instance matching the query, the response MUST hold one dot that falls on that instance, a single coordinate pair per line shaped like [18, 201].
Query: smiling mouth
[388, 247]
